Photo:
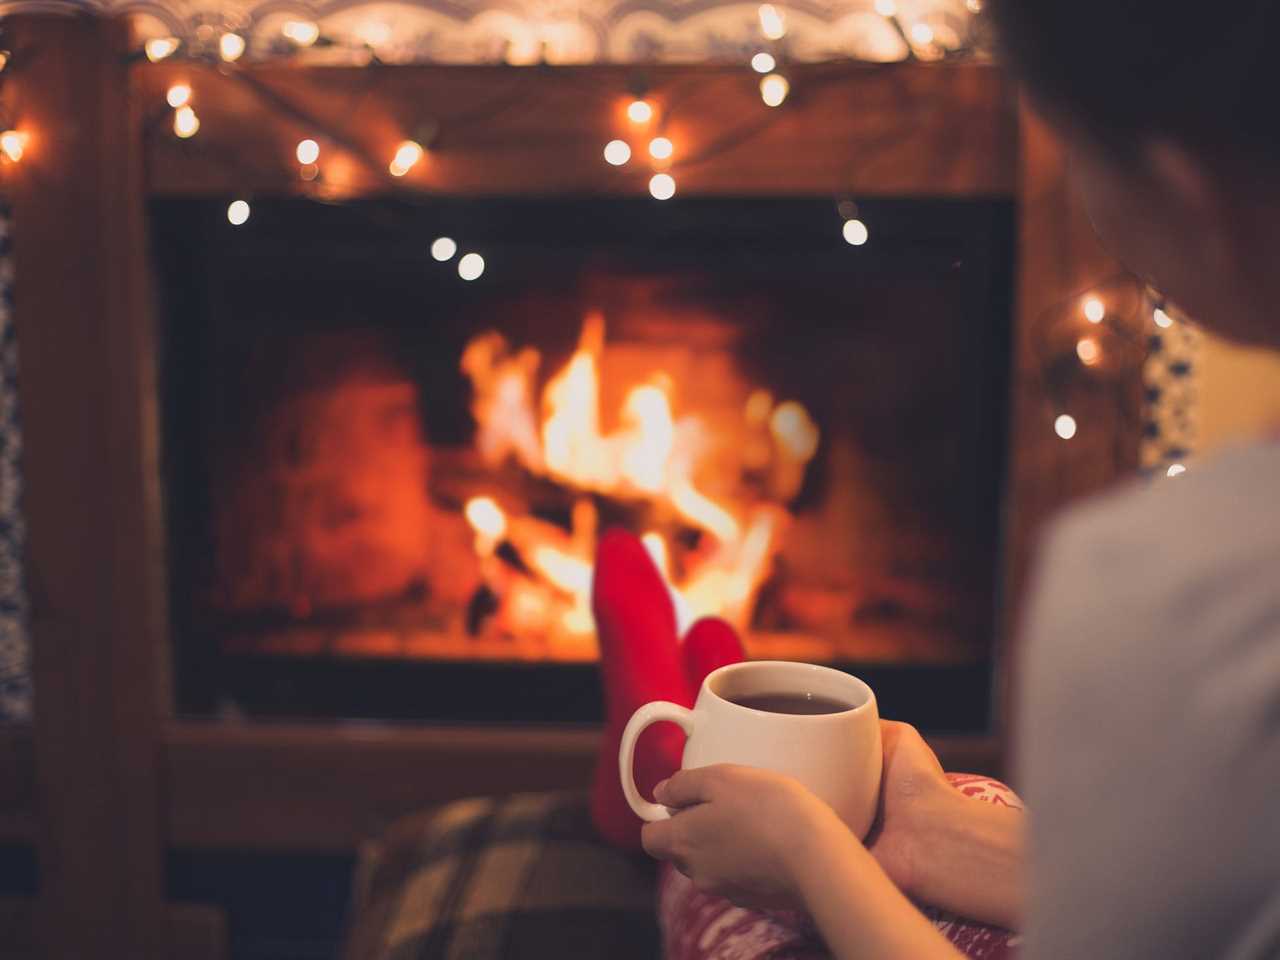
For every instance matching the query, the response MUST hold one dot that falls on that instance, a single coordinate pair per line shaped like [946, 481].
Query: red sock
[639, 661]
[710, 644]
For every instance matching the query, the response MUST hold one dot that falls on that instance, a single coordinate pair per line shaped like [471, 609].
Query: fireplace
[385, 481]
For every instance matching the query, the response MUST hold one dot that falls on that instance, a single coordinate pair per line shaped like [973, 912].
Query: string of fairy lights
[641, 113]
[646, 139]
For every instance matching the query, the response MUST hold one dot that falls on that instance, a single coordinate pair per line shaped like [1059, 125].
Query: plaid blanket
[516, 877]
[526, 878]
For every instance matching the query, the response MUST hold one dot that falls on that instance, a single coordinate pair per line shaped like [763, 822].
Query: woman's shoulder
[1176, 581]
[1220, 519]
[1222, 495]
[1147, 727]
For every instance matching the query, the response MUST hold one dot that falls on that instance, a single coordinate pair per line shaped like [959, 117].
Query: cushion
[698, 926]
[513, 878]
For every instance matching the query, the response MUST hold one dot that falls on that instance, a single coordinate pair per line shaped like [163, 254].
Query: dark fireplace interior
[385, 482]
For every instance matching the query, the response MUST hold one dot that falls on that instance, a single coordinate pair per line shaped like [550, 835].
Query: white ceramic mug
[838, 756]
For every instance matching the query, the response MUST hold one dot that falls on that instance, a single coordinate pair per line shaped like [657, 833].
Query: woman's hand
[939, 846]
[752, 836]
[736, 831]
[914, 796]
[761, 839]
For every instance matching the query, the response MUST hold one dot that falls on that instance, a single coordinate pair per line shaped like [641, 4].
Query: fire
[574, 449]
[503, 406]
[654, 435]
[488, 521]
[651, 463]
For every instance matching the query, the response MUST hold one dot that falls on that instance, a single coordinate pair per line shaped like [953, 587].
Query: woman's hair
[1200, 73]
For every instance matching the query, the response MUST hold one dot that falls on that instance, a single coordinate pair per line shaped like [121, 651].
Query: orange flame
[652, 457]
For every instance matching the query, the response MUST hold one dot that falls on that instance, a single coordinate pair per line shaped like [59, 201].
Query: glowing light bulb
[763, 62]
[660, 148]
[921, 34]
[302, 32]
[179, 95]
[855, 232]
[774, 89]
[1088, 351]
[1093, 309]
[1065, 426]
[407, 154]
[974, 6]
[160, 47]
[662, 186]
[639, 111]
[772, 25]
[617, 152]
[1175, 470]
[1162, 319]
[185, 122]
[231, 47]
[886, 8]
[470, 266]
[13, 143]
[237, 212]
[308, 151]
[444, 248]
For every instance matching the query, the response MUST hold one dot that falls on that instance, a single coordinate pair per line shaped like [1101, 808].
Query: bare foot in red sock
[639, 661]
[710, 644]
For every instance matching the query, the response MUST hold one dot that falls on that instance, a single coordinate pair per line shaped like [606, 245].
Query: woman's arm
[859, 911]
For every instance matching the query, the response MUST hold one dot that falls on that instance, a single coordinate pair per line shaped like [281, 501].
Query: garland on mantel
[557, 32]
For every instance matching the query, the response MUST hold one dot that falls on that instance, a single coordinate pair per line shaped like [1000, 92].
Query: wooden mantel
[846, 129]
[109, 778]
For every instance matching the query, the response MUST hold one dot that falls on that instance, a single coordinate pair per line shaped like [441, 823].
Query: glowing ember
[487, 520]
[714, 550]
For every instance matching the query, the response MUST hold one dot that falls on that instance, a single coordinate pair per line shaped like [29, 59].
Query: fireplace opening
[385, 481]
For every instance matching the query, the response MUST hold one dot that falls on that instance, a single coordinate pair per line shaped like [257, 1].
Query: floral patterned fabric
[698, 926]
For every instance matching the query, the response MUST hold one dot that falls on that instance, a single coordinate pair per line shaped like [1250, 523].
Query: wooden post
[91, 488]
[1059, 258]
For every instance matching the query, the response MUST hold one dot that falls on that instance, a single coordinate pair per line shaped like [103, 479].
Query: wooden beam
[92, 488]
[195, 931]
[332, 786]
[904, 129]
[17, 930]
[329, 786]
[17, 786]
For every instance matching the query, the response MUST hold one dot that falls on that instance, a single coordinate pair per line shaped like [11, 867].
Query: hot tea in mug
[817, 725]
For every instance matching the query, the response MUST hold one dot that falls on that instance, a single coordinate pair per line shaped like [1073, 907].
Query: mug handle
[649, 713]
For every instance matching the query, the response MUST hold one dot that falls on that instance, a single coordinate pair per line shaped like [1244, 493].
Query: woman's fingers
[903, 736]
[687, 787]
[657, 839]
